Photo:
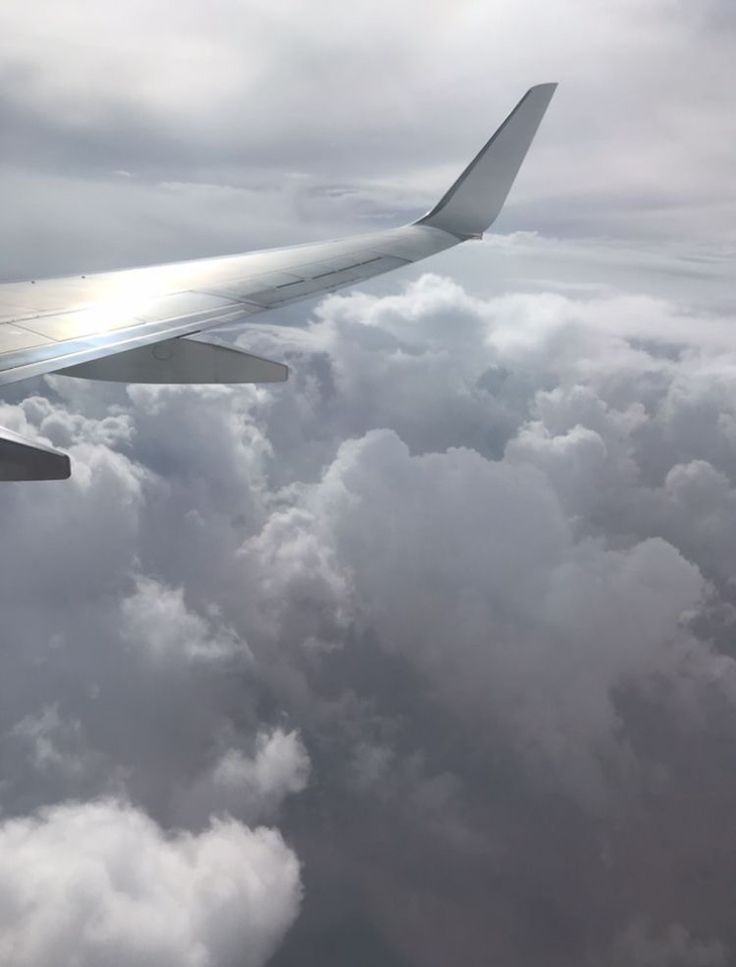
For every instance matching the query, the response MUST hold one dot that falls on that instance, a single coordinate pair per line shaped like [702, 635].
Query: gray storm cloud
[639, 944]
[460, 605]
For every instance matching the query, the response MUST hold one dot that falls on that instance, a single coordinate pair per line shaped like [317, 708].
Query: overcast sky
[427, 656]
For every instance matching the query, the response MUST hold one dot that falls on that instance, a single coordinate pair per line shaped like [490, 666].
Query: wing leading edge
[137, 325]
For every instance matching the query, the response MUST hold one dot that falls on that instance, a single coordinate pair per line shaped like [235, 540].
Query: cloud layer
[231, 127]
[441, 631]
[452, 609]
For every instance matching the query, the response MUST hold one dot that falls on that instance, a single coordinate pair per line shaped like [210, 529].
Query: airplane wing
[146, 325]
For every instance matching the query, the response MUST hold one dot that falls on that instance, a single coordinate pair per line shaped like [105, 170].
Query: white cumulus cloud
[99, 883]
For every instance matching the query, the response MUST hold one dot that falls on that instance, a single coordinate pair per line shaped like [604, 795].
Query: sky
[426, 656]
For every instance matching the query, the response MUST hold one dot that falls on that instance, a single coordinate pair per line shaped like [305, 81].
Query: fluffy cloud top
[453, 608]
[99, 883]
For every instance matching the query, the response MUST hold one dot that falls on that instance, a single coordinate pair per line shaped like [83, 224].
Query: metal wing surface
[50, 324]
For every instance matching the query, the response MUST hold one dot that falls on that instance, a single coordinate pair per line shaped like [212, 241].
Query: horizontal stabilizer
[471, 205]
[182, 360]
[22, 460]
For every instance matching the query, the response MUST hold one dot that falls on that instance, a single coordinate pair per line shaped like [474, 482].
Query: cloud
[155, 618]
[674, 948]
[249, 787]
[469, 569]
[270, 132]
[451, 608]
[96, 883]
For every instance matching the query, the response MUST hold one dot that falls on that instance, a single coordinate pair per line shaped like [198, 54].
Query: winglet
[471, 205]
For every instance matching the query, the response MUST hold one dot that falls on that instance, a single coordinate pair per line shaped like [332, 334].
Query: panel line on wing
[102, 319]
[13, 337]
[345, 268]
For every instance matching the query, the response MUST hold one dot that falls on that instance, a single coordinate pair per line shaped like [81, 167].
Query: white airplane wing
[146, 325]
